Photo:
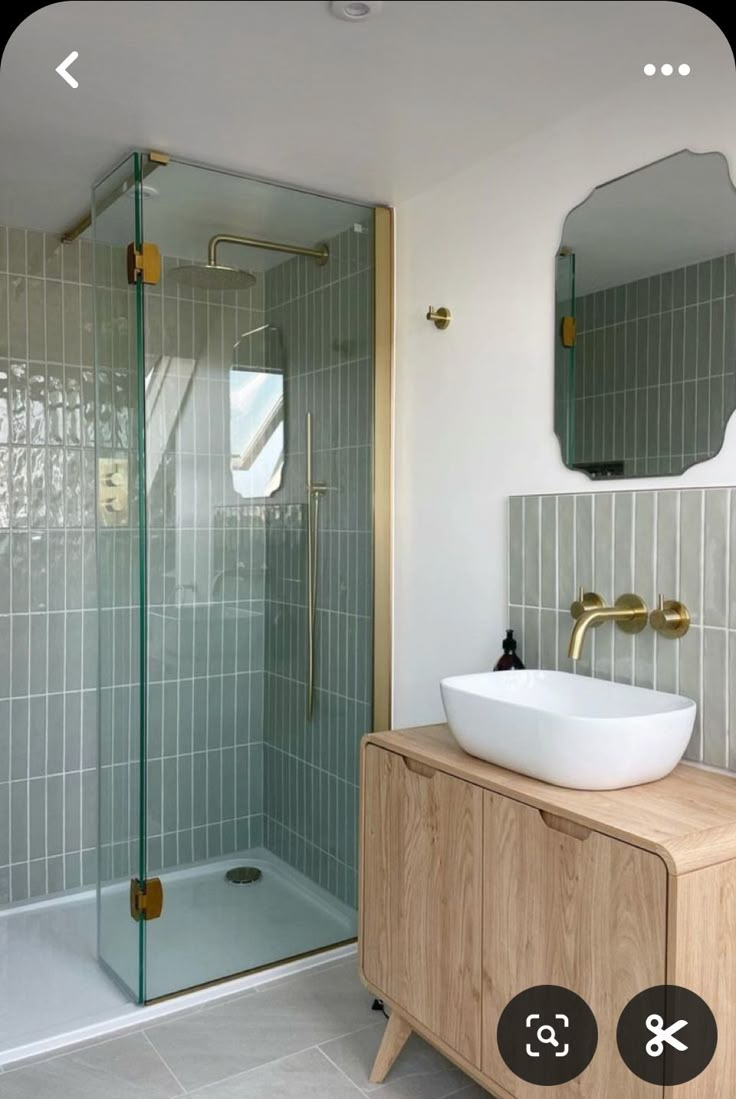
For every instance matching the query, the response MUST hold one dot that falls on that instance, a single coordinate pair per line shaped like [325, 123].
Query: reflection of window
[256, 431]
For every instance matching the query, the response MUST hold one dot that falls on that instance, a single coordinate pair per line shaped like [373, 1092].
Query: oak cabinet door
[567, 906]
[422, 895]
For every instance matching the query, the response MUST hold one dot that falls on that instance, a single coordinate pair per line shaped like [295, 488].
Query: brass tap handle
[671, 618]
[586, 601]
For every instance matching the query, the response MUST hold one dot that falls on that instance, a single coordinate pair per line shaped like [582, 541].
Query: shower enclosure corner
[241, 559]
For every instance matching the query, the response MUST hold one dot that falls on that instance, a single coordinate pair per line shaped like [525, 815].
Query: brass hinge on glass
[567, 331]
[144, 264]
[146, 898]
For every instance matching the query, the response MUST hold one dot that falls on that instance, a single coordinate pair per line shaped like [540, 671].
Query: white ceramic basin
[570, 730]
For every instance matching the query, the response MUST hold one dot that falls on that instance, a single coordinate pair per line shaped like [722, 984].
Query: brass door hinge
[568, 331]
[145, 265]
[146, 898]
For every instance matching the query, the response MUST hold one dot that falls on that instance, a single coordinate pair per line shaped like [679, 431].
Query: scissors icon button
[655, 1045]
[667, 1035]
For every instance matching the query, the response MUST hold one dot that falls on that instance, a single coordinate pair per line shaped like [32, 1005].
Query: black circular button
[547, 1035]
[667, 1035]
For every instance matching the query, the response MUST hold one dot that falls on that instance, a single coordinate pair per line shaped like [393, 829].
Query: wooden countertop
[688, 818]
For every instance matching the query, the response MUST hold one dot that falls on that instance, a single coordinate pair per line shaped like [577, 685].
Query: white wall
[474, 403]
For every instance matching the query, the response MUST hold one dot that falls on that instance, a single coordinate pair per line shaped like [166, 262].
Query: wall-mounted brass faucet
[629, 613]
[671, 618]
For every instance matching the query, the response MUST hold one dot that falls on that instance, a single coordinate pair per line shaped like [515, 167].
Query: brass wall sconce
[671, 618]
[440, 317]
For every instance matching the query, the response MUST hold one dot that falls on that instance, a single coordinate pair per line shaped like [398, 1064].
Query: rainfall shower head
[212, 276]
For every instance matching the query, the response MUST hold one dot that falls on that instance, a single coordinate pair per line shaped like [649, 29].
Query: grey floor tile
[307, 1075]
[123, 1068]
[420, 1072]
[279, 1019]
[473, 1091]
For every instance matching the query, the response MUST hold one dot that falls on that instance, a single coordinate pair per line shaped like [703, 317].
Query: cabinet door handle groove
[567, 827]
[418, 768]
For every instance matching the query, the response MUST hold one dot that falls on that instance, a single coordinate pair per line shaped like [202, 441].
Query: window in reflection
[257, 413]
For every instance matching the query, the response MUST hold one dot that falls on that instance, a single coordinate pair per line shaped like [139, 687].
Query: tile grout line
[358, 1089]
[143, 1032]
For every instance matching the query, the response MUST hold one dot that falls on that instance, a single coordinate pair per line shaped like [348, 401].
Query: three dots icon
[667, 70]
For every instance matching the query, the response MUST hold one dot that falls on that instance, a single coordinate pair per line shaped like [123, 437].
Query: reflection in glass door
[263, 313]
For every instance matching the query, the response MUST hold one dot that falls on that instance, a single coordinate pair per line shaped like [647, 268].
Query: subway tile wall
[232, 761]
[311, 767]
[680, 542]
[676, 331]
[207, 578]
[206, 593]
[48, 622]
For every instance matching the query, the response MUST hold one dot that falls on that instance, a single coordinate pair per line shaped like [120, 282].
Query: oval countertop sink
[570, 730]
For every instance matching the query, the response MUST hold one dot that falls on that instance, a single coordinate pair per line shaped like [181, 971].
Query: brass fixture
[671, 618]
[146, 898]
[315, 489]
[153, 161]
[440, 317]
[629, 613]
[586, 601]
[144, 264]
[217, 276]
[112, 491]
[568, 331]
[321, 254]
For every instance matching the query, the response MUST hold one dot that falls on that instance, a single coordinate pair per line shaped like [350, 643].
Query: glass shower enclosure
[236, 435]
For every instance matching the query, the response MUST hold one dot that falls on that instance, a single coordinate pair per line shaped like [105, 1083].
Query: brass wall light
[440, 317]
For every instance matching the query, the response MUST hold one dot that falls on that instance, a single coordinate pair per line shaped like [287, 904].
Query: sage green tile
[531, 551]
[691, 552]
[691, 685]
[714, 718]
[715, 551]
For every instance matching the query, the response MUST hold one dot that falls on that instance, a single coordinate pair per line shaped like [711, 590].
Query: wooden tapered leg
[394, 1039]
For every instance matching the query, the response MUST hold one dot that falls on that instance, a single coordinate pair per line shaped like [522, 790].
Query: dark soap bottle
[509, 662]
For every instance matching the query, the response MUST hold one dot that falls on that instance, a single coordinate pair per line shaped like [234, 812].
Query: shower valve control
[112, 491]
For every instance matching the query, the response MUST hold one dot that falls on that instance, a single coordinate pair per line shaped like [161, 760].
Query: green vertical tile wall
[311, 767]
[680, 542]
[655, 369]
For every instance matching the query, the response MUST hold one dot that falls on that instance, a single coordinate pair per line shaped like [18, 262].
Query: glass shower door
[120, 459]
[229, 550]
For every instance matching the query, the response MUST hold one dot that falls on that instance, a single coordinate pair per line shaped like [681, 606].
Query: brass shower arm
[321, 254]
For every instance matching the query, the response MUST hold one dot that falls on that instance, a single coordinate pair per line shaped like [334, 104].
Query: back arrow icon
[61, 69]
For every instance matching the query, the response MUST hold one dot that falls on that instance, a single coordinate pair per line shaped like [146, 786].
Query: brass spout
[629, 612]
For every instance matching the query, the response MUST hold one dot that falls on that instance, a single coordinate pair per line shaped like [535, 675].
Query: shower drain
[243, 875]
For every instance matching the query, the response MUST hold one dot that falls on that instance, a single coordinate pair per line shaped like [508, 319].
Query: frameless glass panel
[238, 351]
[120, 578]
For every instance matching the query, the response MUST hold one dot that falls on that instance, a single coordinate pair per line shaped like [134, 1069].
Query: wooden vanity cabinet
[477, 883]
[423, 874]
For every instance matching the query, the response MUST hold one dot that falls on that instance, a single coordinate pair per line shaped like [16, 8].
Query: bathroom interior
[314, 383]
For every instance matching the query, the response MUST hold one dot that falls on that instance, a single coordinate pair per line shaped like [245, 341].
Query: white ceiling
[677, 211]
[374, 112]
